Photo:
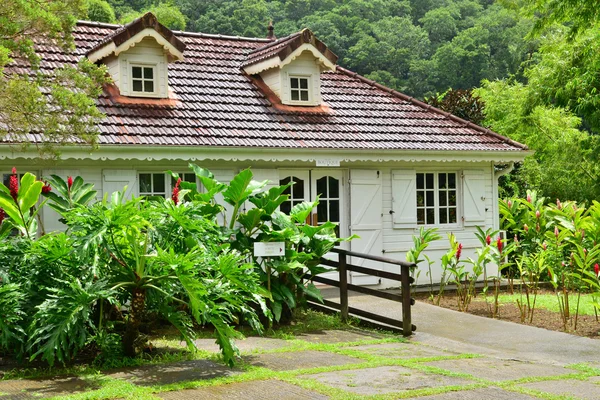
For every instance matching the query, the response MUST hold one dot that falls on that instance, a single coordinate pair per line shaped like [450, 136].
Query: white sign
[269, 249]
[328, 162]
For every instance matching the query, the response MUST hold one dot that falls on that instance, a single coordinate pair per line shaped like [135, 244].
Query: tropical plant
[420, 243]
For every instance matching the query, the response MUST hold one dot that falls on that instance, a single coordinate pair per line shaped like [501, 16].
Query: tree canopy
[59, 104]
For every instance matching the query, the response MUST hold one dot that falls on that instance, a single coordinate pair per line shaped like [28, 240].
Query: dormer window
[143, 79]
[291, 68]
[299, 89]
[137, 57]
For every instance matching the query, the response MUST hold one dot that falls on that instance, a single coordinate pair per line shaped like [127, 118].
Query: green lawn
[550, 301]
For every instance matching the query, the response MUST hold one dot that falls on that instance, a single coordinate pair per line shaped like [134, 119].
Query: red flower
[537, 214]
[556, 231]
[544, 246]
[2, 215]
[458, 251]
[14, 184]
[46, 188]
[597, 269]
[558, 204]
[69, 182]
[526, 228]
[528, 198]
[175, 195]
[499, 244]
[488, 239]
[509, 203]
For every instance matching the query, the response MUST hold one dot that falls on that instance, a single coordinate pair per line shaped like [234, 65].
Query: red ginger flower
[488, 239]
[537, 214]
[14, 184]
[69, 182]
[556, 231]
[458, 251]
[528, 198]
[2, 215]
[175, 195]
[499, 244]
[526, 228]
[597, 269]
[46, 188]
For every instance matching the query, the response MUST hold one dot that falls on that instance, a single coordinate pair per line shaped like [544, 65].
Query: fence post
[343, 286]
[406, 301]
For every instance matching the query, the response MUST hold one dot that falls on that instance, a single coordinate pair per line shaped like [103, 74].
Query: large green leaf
[29, 192]
[300, 212]
[251, 219]
[7, 203]
[237, 191]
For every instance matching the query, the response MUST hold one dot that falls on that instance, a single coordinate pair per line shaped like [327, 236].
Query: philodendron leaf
[312, 291]
[7, 203]
[240, 188]
[252, 218]
[29, 192]
[300, 212]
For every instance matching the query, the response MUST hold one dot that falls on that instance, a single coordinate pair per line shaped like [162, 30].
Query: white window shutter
[404, 198]
[473, 197]
[114, 180]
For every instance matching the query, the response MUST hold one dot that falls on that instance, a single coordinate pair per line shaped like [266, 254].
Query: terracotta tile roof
[218, 105]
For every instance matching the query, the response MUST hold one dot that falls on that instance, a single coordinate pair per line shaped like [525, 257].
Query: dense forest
[532, 67]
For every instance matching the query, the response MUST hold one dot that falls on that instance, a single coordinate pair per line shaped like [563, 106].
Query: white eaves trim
[274, 61]
[111, 48]
[193, 153]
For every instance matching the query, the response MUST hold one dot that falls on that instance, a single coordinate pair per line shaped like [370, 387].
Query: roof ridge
[181, 33]
[429, 107]
[273, 43]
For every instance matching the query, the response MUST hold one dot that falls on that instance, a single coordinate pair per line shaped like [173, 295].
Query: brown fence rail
[343, 267]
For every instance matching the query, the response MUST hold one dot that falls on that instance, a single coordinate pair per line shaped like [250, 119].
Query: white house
[383, 163]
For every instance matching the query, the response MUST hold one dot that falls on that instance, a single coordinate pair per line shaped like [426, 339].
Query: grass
[549, 302]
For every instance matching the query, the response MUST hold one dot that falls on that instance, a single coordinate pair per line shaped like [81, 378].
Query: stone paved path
[332, 364]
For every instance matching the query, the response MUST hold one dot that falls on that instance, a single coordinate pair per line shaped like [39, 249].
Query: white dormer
[292, 67]
[137, 57]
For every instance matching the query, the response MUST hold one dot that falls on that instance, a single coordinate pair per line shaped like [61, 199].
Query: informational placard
[327, 162]
[269, 249]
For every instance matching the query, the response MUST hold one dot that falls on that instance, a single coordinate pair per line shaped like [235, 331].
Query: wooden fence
[343, 267]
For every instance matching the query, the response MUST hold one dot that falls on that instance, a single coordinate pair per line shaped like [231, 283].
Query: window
[143, 79]
[152, 185]
[295, 191]
[436, 198]
[299, 89]
[155, 184]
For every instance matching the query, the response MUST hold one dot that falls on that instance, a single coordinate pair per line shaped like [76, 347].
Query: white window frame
[309, 89]
[169, 184]
[436, 206]
[155, 79]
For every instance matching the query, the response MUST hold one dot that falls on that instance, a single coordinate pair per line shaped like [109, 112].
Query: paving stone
[337, 336]
[478, 394]
[371, 381]
[300, 360]
[572, 387]
[175, 372]
[247, 345]
[259, 390]
[41, 388]
[499, 370]
[401, 350]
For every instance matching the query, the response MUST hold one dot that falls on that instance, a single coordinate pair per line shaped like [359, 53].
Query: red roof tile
[218, 105]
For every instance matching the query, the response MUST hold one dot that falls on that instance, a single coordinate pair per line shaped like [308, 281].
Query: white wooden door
[366, 221]
[114, 180]
[328, 185]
